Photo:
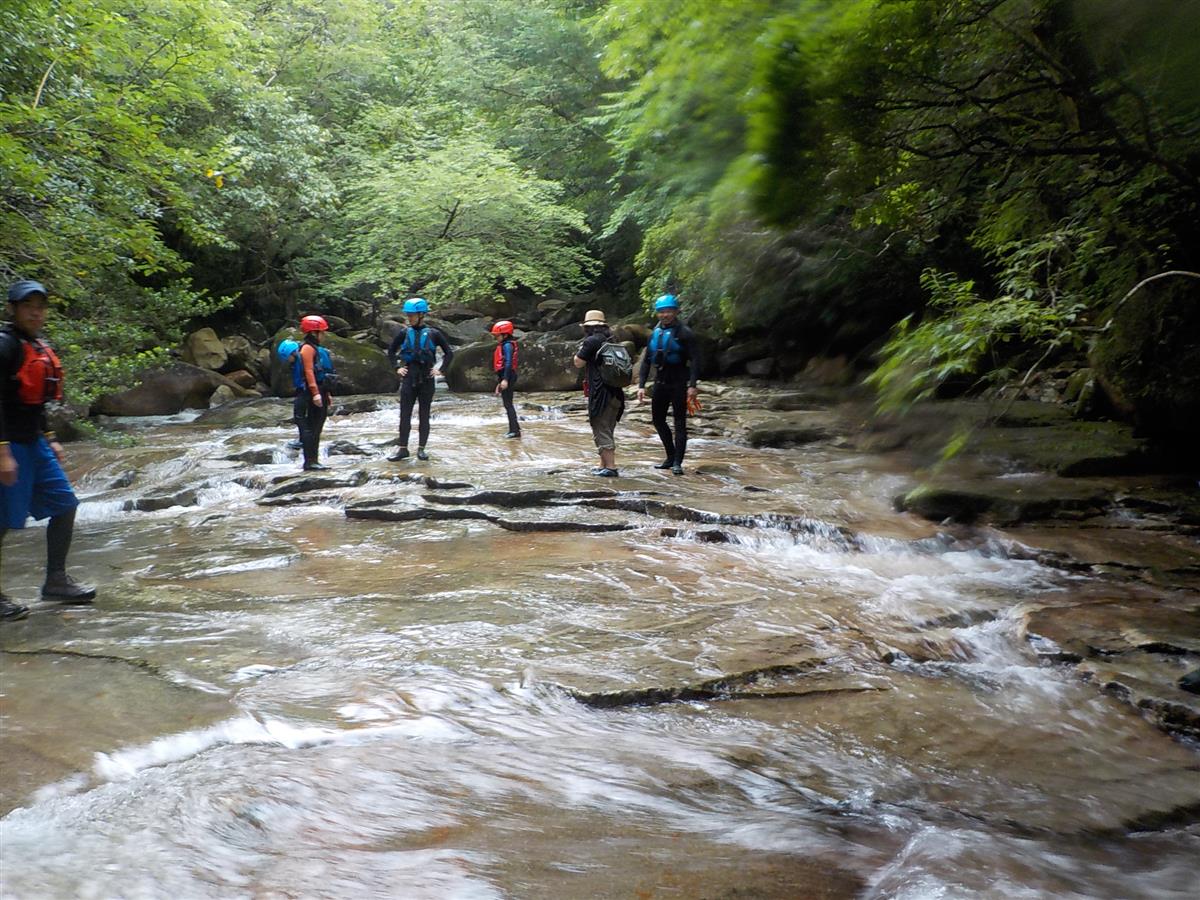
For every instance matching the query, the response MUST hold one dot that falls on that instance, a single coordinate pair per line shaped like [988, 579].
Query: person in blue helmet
[674, 354]
[413, 353]
[32, 481]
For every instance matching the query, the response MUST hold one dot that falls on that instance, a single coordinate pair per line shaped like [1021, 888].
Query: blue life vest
[417, 350]
[322, 368]
[665, 348]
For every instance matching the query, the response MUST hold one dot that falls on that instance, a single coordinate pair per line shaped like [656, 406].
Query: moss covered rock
[1148, 360]
[361, 368]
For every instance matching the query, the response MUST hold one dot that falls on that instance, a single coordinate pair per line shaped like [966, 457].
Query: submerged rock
[420, 513]
[1137, 649]
[1003, 501]
[161, 501]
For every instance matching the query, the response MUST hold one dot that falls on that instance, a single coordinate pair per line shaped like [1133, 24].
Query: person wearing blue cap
[413, 353]
[673, 352]
[32, 481]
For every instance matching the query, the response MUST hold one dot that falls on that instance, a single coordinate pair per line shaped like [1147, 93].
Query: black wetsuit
[508, 372]
[416, 388]
[676, 372]
[310, 418]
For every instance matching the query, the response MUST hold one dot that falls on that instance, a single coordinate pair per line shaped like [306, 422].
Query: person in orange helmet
[504, 362]
[312, 373]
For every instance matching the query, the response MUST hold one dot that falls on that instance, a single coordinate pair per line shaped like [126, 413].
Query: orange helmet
[313, 323]
[503, 327]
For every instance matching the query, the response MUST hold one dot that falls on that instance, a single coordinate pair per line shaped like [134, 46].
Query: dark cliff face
[1148, 359]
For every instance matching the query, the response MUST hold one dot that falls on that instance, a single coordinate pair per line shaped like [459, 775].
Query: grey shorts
[604, 425]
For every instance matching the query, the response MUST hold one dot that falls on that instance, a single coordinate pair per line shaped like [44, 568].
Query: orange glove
[694, 406]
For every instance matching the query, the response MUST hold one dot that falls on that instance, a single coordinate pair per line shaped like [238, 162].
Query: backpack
[616, 365]
[289, 353]
[665, 349]
[421, 353]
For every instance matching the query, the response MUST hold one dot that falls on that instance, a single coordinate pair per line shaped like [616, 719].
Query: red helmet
[503, 327]
[313, 323]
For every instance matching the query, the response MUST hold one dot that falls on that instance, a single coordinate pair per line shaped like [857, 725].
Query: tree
[460, 222]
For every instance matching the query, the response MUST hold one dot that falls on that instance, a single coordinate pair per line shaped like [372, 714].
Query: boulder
[543, 365]
[204, 349]
[164, 392]
[733, 359]
[223, 394]
[64, 418]
[361, 368]
[634, 332]
[258, 412]
[570, 312]
[833, 371]
[338, 325]
[760, 368]
[465, 331]
[457, 313]
[239, 354]
[243, 378]
[388, 328]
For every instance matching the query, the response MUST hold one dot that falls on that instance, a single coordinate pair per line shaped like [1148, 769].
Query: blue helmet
[666, 301]
[416, 305]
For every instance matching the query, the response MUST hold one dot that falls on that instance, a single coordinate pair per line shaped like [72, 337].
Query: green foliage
[1010, 142]
[783, 164]
[93, 163]
[1041, 298]
[463, 222]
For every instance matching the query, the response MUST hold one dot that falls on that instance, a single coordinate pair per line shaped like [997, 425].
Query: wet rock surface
[759, 672]
[1135, 648]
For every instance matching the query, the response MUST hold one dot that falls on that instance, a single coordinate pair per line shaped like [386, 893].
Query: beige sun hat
[594, 317]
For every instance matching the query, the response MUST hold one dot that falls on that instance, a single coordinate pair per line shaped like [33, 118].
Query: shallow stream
[761, 682]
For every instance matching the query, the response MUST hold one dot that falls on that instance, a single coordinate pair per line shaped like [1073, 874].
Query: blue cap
[416, 305]
[22, 289]
[666, 301]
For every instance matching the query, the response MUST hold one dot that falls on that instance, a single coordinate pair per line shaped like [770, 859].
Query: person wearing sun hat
[605, 404]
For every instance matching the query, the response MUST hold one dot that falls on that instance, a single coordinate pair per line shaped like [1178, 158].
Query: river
[761, 682]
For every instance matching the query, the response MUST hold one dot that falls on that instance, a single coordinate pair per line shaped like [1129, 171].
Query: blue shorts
[42, 489]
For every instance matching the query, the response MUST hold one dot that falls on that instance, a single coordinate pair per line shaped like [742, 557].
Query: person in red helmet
[312, 372]
[504, 361]
[32, 481]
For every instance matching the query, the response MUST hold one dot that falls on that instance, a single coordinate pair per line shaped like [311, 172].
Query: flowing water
[796, 694]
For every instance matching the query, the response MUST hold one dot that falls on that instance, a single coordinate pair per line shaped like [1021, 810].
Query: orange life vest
[498, 356]
[40, 377]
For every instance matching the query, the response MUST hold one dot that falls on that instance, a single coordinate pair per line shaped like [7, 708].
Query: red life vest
[40, 377]
[498, 356]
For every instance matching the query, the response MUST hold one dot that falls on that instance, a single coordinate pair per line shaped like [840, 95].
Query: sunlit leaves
[462, 222]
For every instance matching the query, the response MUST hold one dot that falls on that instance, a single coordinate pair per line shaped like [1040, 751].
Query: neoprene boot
[62, 588]
[11, 611]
